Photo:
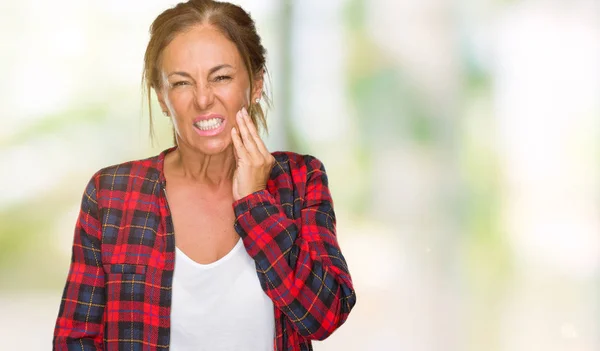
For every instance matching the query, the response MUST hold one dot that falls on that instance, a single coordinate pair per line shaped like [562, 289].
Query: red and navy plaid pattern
[118, 290]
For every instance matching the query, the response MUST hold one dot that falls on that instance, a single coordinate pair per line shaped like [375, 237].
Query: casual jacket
[118, 290]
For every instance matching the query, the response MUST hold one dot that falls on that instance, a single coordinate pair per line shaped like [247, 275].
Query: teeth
[209, 124]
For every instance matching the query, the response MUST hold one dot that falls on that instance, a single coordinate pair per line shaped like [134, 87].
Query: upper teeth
[209, 123]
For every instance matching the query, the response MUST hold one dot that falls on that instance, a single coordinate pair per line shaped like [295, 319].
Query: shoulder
[297, 166]
[297, 161]
[302, 175]
[123, 175]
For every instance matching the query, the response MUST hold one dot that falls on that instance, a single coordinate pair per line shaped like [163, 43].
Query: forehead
[200, 48]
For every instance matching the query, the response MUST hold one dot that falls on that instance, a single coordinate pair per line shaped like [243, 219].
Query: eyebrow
[211, 71]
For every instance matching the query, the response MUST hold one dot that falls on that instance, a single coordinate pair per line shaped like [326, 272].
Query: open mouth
[209, 124]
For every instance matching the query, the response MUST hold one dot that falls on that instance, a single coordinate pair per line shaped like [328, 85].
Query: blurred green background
[461, 139]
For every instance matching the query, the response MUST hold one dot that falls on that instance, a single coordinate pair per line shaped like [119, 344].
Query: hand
[253, 161]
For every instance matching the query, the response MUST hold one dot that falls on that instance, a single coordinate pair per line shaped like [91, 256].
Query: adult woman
[131, 288]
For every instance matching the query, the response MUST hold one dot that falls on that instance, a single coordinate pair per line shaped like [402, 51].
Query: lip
[212, 131]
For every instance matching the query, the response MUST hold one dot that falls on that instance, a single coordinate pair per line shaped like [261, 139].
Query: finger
[235, 154]
[254, 133]
[238, 146]
[247, 139]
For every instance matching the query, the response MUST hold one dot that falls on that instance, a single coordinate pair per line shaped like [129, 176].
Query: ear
[258, 85]
[161, 101]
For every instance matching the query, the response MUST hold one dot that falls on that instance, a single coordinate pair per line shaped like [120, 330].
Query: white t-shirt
[220, 306]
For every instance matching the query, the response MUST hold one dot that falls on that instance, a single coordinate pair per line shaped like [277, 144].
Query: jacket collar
[159, 164]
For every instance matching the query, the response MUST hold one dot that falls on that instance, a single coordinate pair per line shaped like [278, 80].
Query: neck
[211, 170]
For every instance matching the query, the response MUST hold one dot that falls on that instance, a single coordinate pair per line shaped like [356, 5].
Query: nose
[204, 96]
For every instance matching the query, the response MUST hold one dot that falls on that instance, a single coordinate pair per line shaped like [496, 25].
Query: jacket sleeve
[79, 325]
[315, 293]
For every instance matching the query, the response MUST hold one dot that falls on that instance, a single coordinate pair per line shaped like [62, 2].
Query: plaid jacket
[118, 290]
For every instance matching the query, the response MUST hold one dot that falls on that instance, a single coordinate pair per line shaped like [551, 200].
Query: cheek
[178, 99]
[233, 98]
[178, 102]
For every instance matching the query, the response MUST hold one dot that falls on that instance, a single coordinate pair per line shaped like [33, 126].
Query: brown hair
[235, 23]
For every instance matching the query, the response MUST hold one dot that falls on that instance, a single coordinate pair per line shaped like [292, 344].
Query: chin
[214, 147]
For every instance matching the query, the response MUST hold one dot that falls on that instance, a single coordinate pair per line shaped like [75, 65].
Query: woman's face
[204, 84]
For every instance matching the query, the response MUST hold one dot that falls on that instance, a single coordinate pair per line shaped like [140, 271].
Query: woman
[216, 243]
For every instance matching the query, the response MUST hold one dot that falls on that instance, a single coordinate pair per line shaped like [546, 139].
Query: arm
[80, 318]
[316, 293]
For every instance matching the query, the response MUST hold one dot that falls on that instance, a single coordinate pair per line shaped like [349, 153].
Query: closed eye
[180, 83]
[222, 78]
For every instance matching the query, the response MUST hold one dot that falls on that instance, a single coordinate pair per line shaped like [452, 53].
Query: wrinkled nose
[204, 96]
